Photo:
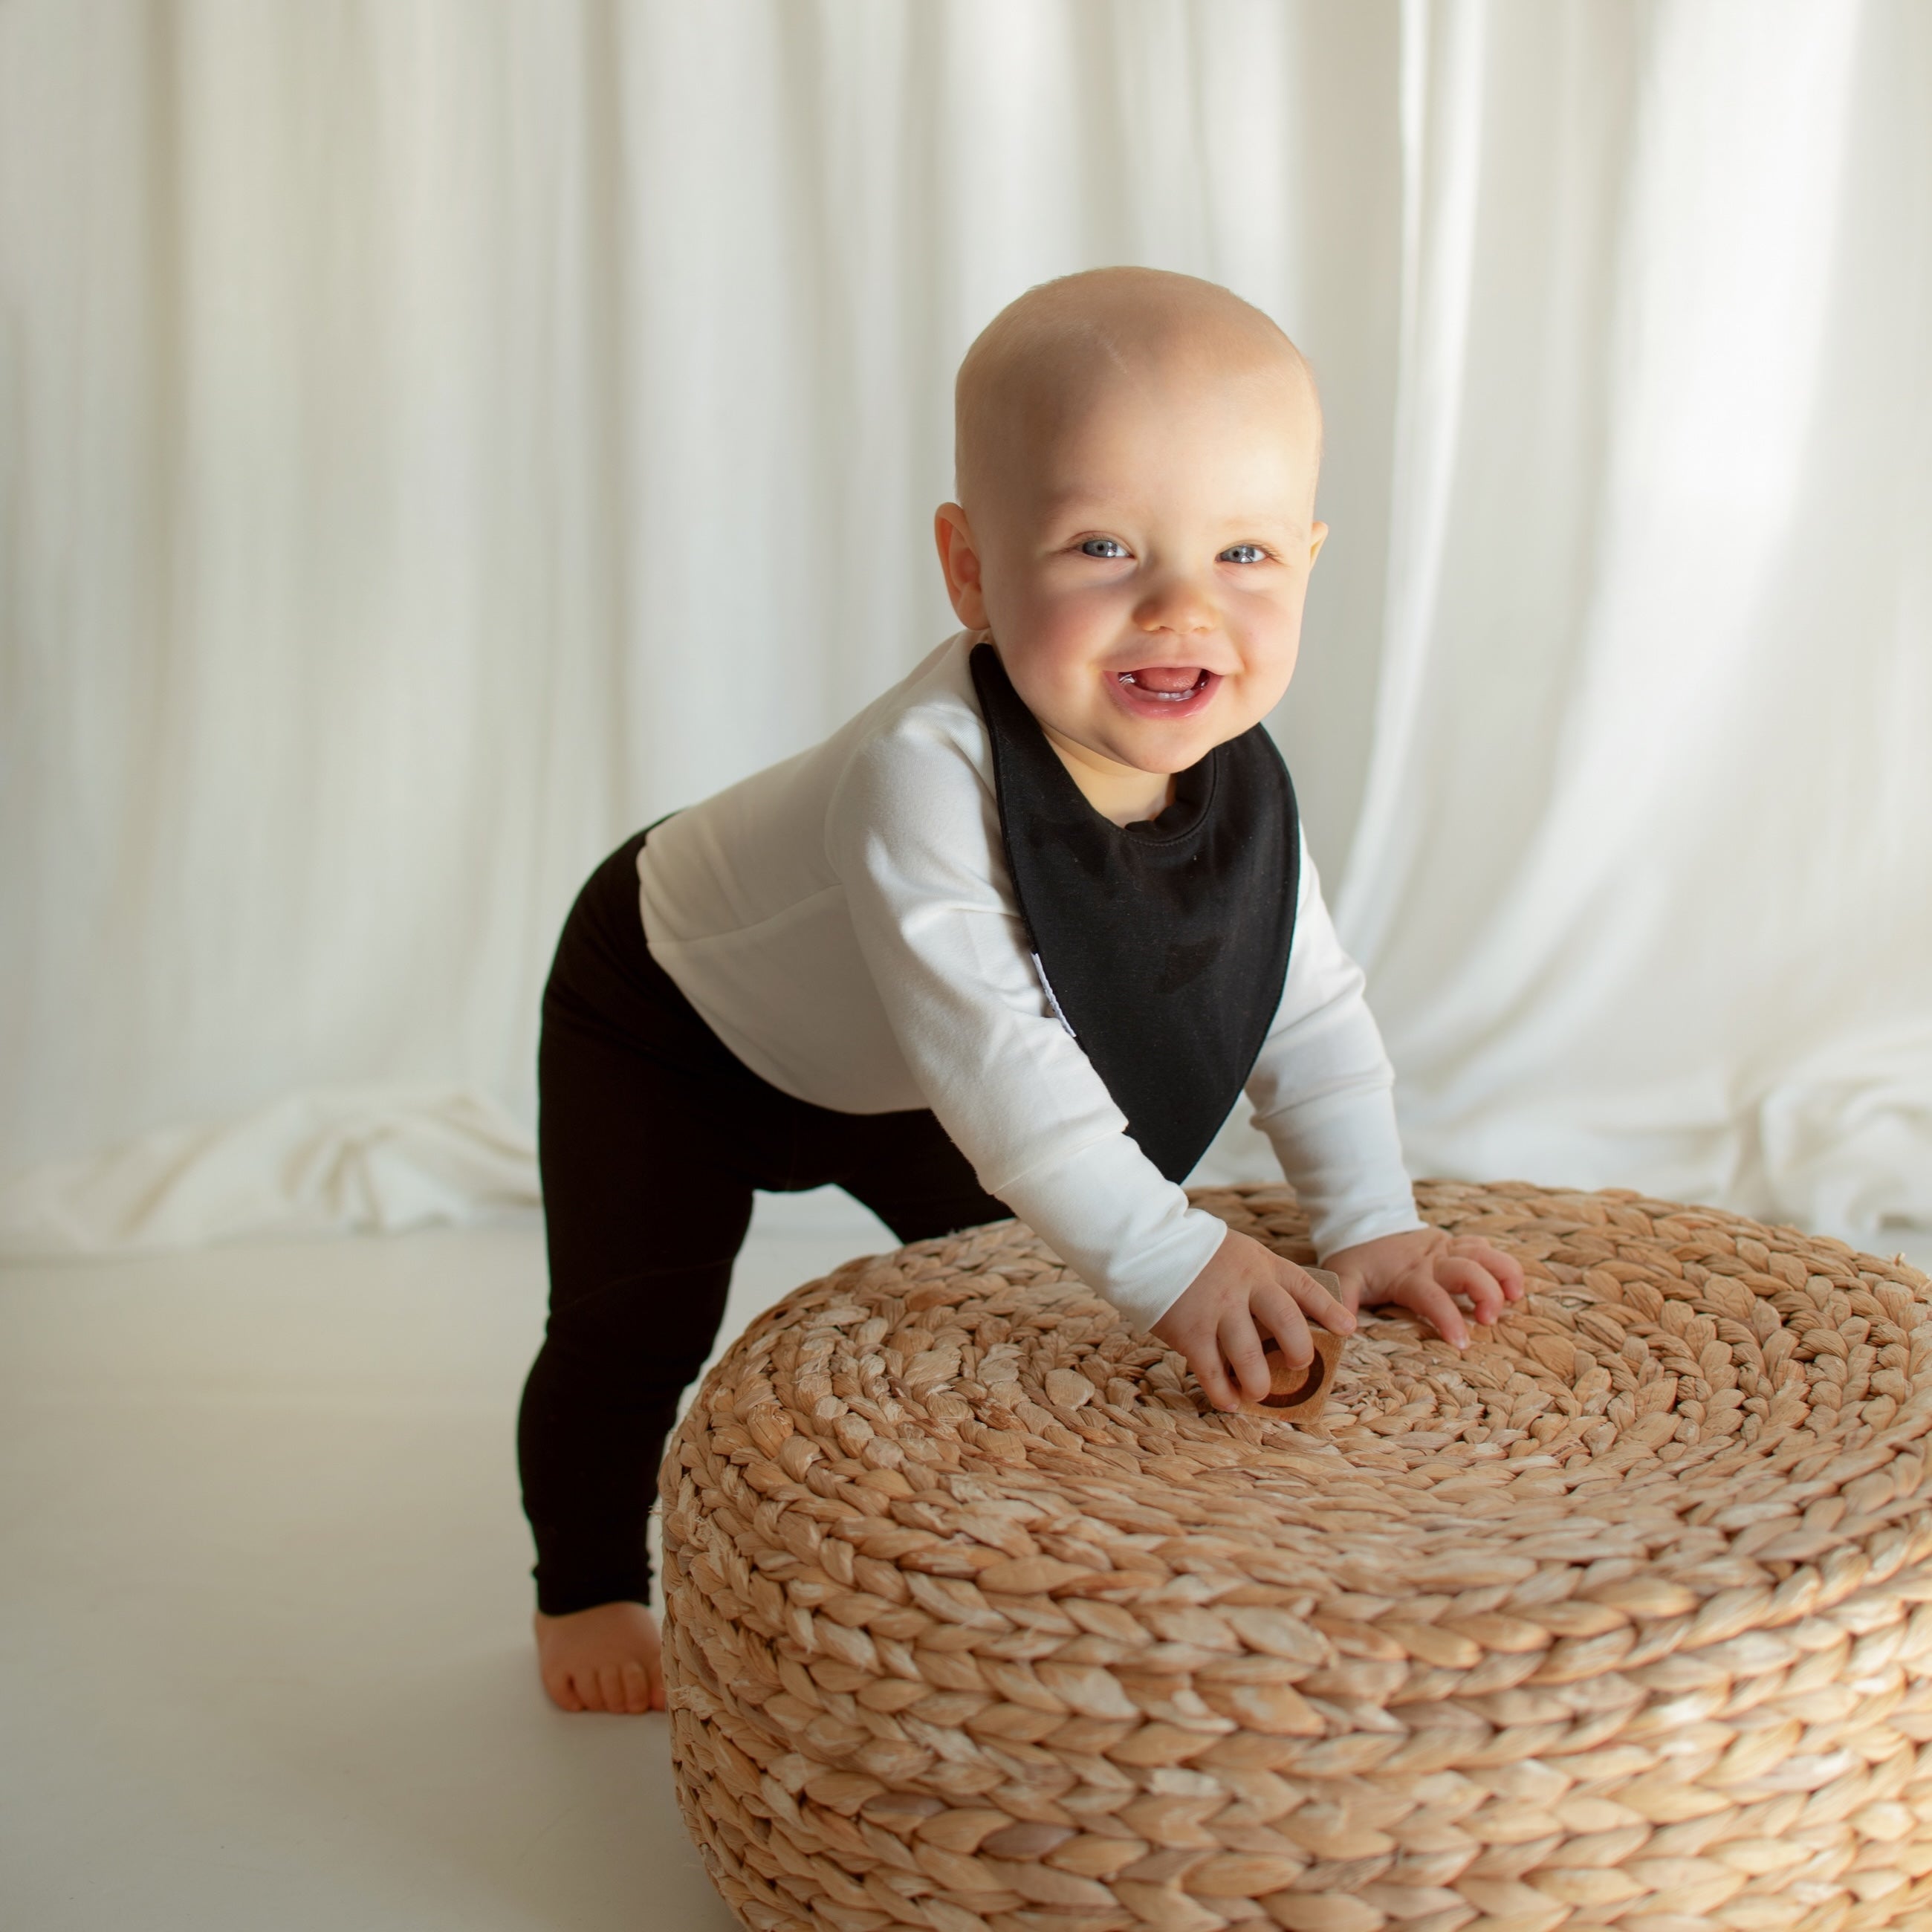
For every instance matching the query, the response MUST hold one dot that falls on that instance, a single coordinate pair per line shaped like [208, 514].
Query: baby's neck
[1117, 791]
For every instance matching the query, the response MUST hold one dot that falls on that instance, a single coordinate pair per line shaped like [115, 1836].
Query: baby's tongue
[1168, 677]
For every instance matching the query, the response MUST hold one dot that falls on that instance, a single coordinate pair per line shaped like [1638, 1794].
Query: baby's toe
[637, 1689]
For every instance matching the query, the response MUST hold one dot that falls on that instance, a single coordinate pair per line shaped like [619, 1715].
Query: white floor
[264, 1653]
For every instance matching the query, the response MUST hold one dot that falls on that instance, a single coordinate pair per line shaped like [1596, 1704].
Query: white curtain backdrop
[1643, 876]
[436, 437]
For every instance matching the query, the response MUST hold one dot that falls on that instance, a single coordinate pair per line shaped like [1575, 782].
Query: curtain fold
[436, 438]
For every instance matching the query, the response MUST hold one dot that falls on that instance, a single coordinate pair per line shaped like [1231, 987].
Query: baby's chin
[1159, 746]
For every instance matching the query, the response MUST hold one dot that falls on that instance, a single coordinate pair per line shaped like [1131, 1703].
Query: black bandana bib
[1163, 946]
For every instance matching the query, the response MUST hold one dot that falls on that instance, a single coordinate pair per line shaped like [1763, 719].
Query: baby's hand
[1424, 1271]
[1214, 1324]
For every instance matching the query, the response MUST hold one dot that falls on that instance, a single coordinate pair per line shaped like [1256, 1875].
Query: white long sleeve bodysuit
[845, 924]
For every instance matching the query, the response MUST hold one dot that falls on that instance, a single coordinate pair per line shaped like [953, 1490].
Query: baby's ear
[959, 559]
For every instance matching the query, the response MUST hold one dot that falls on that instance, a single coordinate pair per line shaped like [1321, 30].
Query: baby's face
[1141, 565]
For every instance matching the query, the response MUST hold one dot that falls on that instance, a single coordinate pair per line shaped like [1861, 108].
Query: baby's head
[1137, 454]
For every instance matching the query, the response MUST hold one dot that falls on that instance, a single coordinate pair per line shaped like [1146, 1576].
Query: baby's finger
[1460, 1275]
[1277, 1313]
[1211, 1373]
[1432, 1302]
[1241, 1347]
[1314, 1299]
[1507, 1269]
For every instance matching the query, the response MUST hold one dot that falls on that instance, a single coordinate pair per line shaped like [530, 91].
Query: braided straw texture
[977, 1617]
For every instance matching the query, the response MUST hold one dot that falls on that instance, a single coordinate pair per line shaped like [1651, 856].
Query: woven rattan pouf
[977, 1617]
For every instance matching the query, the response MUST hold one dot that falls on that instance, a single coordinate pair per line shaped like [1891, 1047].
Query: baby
[1014, 940]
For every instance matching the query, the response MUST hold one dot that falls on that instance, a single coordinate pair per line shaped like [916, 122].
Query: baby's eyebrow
[1070, 503]
[1070, 512]
[1066, 500]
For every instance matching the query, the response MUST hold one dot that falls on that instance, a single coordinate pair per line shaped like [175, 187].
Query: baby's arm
[913, 837]
[1322, 1089]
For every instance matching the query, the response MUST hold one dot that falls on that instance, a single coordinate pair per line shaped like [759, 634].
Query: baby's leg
[644, 1141]
[600, 1401]
[905, 1167]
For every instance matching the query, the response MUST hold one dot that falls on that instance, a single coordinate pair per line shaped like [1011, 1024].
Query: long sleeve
[912, 836]
[1322, 1090]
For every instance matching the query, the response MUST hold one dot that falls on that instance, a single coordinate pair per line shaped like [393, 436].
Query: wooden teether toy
[1298, 1394]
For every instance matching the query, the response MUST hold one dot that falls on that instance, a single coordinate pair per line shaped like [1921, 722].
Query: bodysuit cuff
[1126, 1231]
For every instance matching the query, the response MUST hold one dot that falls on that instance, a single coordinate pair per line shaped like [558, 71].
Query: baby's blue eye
[1103, 546]
[1243, 553]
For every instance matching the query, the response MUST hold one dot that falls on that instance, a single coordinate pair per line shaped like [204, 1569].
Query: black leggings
[652, 1136]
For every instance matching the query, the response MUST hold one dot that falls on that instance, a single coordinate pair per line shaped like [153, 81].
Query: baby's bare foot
[603, 1659]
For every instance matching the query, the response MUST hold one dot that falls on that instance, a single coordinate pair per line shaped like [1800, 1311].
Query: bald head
[1045, 360]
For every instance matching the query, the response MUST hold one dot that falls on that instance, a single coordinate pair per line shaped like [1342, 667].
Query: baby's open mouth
[1171, 684]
